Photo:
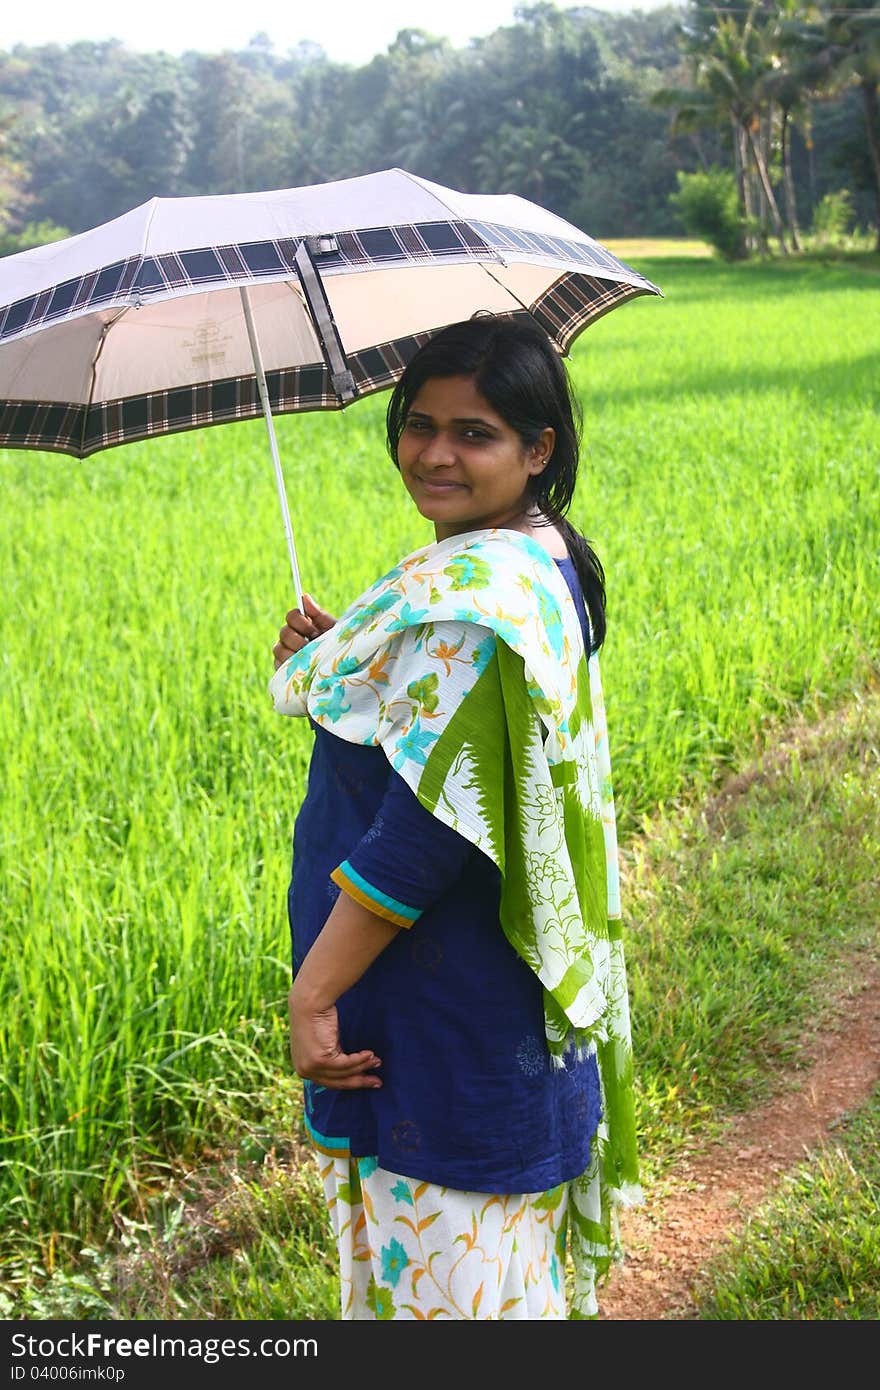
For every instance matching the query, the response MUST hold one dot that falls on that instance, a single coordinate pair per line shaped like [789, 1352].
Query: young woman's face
[465, 468]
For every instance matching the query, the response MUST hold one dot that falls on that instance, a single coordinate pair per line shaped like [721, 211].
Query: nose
[437, 450]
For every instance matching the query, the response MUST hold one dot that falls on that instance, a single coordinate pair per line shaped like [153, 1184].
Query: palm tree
[731, 61]
[840, 42]
[787, 86]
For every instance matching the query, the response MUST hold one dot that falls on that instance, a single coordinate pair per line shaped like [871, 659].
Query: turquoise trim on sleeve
[384, 899]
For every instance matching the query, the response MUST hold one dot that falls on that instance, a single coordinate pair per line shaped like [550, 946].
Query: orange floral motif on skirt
[410, 1249]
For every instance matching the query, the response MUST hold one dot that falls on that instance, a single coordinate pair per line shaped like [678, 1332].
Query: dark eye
[417, 426]
[474, 434]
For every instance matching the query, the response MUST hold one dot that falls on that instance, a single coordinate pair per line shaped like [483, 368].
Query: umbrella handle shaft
[273, 445]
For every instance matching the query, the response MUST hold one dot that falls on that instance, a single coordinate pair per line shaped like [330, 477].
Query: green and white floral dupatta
[465, 663]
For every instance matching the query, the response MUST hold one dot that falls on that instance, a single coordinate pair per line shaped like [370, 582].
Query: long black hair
[518, 371]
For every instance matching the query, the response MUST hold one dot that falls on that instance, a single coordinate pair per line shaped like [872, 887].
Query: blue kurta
[469, 1097]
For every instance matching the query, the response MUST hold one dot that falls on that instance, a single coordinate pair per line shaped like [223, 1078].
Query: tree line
[595, 115]
[760, 69]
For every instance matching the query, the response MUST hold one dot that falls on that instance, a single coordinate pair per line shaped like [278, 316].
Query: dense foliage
[577, 109]
[757, 69]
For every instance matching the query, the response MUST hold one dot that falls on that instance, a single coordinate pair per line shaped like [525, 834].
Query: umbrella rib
[95, 358]
[506, 289]
[421, 186]
[149, 225]
[452, 212]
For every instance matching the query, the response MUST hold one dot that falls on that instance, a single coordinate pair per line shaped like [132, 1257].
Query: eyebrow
[458, 419]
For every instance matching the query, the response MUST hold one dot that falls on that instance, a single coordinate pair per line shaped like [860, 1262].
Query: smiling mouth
[436, 485]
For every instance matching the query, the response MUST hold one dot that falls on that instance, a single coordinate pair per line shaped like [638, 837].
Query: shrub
[832, 218]
[708, 205]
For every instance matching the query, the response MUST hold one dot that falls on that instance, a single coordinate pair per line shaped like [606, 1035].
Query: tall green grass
[729, 485]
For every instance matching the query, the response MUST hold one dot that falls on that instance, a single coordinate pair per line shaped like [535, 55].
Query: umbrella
[187, 312]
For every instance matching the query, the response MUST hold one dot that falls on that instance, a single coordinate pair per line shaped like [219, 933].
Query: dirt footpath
[669, 1240]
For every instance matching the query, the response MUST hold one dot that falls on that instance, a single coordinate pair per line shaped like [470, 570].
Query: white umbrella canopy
[187, 312]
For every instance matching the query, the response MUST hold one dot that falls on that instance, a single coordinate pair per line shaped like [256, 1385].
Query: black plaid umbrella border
[577, 300]
[139, 278]
[70, 428]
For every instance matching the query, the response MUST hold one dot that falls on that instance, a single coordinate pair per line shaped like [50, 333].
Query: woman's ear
[542, 450]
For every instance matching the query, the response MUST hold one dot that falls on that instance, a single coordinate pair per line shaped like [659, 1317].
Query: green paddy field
[730, 485]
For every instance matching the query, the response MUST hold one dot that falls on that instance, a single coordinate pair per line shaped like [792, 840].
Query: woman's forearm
[348, 943]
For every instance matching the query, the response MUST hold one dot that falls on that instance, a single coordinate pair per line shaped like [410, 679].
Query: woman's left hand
[299, 628]
[317, 1056]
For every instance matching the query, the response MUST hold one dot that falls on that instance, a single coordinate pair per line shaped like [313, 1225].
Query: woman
[459, 1009]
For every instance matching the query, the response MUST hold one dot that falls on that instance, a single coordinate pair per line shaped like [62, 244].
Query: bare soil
[671, 1237]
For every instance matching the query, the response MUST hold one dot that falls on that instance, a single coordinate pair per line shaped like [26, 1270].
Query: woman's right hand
[317, 1056]
[299, 628]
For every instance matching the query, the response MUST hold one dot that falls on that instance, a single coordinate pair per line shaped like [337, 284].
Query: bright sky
[349, 31]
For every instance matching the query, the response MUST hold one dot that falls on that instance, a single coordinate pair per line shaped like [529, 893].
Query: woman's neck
[534, 525]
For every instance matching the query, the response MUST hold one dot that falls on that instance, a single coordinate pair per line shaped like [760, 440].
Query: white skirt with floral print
[410, 1249]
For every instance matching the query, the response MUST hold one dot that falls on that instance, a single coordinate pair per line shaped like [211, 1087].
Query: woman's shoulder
[553, 542]
[548, 538]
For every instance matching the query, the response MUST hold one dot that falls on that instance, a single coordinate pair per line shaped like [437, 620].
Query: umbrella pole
[273, 445]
